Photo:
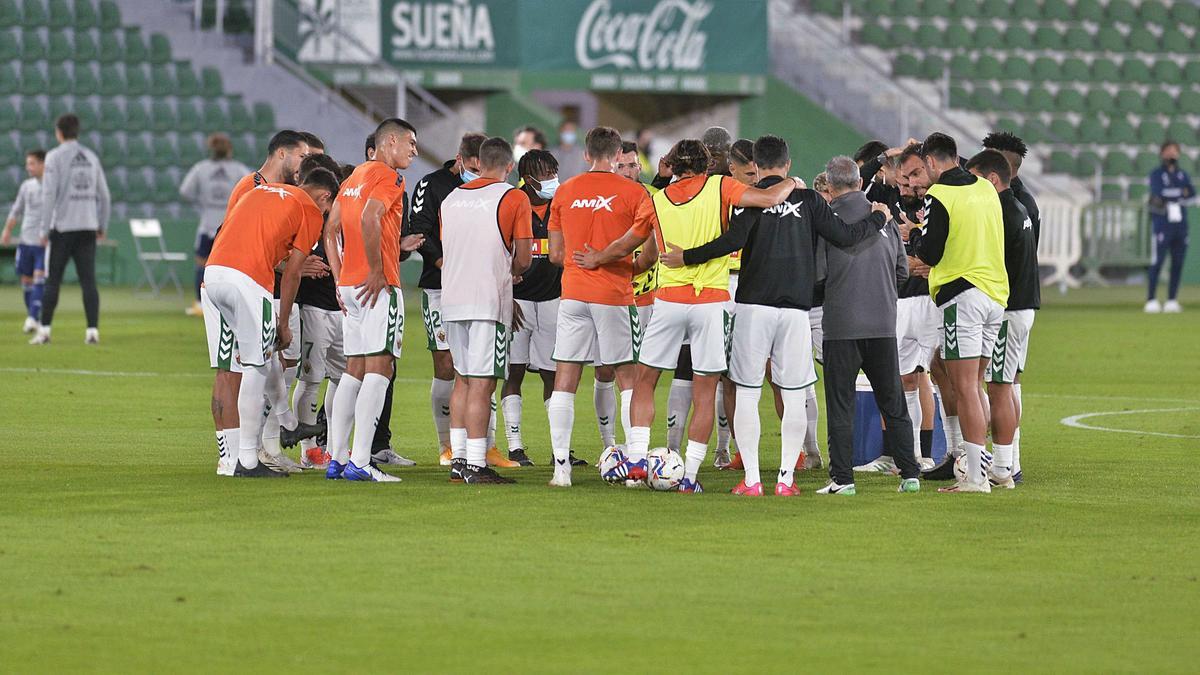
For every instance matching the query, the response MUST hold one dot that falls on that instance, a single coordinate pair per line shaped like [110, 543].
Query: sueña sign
[667, 37]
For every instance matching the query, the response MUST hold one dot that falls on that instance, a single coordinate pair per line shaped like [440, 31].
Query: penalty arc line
[1076, 421]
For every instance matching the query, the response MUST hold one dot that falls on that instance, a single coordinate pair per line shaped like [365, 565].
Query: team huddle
[900, 263]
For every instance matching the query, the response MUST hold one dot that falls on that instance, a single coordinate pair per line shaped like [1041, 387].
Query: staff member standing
[1169, 187]
[208, 185]
[76, 206]
[31, 247]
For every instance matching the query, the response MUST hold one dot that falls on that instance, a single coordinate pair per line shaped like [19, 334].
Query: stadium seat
[1122, 11]
[931, 8]
[166, 188]
[1151, 132]
[1146, 162]
[60, 82]
[162, 117]
[9, 14]
[211, 85]
[988, 67]
[1092, 130]
[1153, 12]
[1105, 70]
[1136, 192]
[162, 81]
[88, 117]
[10, 154]
[160, 49]
[1039, 99]
[1160, 101]
[10, 46]
[1120, 131]
[189, 117]
[84, 48]
[986, 98]
[1108, 38]
[1011, 98]
[1034, 131]
[1183, 132]
[906, 65]
[874, 34]
[901, 34]
[960, 9]
[135, 46]
[112, 117]
[1046, 37]
[190, 151]
[85, 15]
[136, 83]
[110, 15]
[136, 117]
[1058, 11]
[933, 67]
[1134, 69]
[1174, 41]
[33, 14]
[243, 149]
[1117, 163]
[185, 79]
[138, 189]
[1167, 71]
[8, 118]
[33, 83]
[85, 80]
[1099, 100]
[112, 153]
[1189, 99]
[59, 107]
[1061, 162]
[32, 116]
[264, 118]
[137, 151]
[1089, 10]
[240, 119]
[214, 117]
[58, 48]
[1185, 13]
[957, 35]
[961, 66]
[1086, 163]
[1062, 131]
[1076, 39]
[1111, 191]
[112, 81]
[58, 14]
[110, 48]
[1017, 68]
[1142, 40]
[36, 139]
[9, 83]
[1045, 69]
[828, 7]
[1070, 100]
[1027, 9]
[32, 46]
[116, 180]
[987, 36]
[1017, 37]
[164, 153]
[1074, 69]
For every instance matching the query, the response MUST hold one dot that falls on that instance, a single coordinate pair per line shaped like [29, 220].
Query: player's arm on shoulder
[929, 243]
[765, 197]
[741, 222]
[648, 257]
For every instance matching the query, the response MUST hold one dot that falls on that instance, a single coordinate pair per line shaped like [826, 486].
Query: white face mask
[549, 187]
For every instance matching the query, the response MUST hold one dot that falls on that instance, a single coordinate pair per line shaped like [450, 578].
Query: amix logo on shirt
[594, 204]
[785, 209]
[470, 204]
[354, 192]
[283, 194]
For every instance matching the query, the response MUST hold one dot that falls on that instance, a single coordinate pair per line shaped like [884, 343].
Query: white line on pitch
[1094, 397]
[1076, 421]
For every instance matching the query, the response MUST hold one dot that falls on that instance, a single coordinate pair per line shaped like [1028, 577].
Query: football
[960, 465]
[664, 469]
[613, 465]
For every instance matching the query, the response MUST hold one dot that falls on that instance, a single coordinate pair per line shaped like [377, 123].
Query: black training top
[320, 292]
[543, 280]
[426, 203]
[1030, 204]
[1020, 255]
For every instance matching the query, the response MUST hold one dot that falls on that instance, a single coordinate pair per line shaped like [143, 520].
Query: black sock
[927, 442]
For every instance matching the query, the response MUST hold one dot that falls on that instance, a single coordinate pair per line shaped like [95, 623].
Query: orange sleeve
[731, 192]
[645, 219]
[310, 229]
[387, 186]
[515, 217]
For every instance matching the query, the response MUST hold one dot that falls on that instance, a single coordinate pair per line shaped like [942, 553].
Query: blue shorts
[30, 259]
[204, 244]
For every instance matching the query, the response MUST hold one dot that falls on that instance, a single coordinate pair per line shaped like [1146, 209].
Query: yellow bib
[688, 225]
[975, 246]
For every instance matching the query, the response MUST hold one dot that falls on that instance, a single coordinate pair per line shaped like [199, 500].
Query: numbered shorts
[815, 316]
[372, 331]
[239, 319]
[322, 352]
[917, 321]
[292, 352]
[431, 313]
[1011, 348]
[533, 345]
[479, 348]
[970, 322]
[706, 325]
[780, 335]
[608, 335]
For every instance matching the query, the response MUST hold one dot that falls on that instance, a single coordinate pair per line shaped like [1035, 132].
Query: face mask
[467, 175]
[549, 187]
[568, 137]
[519, 152]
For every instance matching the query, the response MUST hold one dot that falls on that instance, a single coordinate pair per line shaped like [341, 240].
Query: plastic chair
[152, 254]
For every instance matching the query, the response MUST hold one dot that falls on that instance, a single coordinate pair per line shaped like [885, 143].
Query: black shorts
[204, 244]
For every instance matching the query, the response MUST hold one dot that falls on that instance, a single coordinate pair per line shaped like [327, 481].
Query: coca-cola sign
[667, 37]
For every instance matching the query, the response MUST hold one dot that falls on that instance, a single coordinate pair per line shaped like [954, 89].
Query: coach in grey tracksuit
[76, 207]
[208, 185]
[860, 328]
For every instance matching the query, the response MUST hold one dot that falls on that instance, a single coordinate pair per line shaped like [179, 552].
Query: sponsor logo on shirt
[786, 209]
[474, 204]
[595, 204]
[275, 190]
[354, 192]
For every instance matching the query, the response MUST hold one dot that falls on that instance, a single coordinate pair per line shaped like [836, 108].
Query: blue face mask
[467, 176]
[549, 187]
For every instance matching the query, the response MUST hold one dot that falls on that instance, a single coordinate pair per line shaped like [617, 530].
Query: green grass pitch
[121, 551]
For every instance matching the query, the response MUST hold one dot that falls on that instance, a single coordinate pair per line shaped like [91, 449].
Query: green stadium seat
[1134, 69]
[160, 49]
[874, 34]
[957, 36]
[1034, 131]
[1129, 101]
[1063, 131]
[136, 83]
[59, 14]
[1045, 69]
[1179, 130]
[33, 14]
[243, 148]
[33, 83]
[32, 116]
[88, 117]
[185, 80]
[987, 36]
[164, 153]
[138, 189]
[1017, 68]
[1111, 191]
[189, 118]
[960, 97]
[166, 188]
[59, 107]
[1185, 13]
[1017, 37]
[1167, 71]
[936, 8]
[1011, 98]
[110, 15]
[240, 119]
[162, 81]
[1076, 39]
[10, 154]
[162, 117]
[933, 67]
[1092, 130]
[1121, 131]
[10, 45]
[988, 67]
[1160, 101]
[116, 181]
[1121, 10]
[1146, 161]
[84, 48]
[137, 151]
[1099, 100]
[901, 34]
[58, 48]
[1061, 162]
[215, 118]
[1070, 100]
[135, 46]
[906, 65]
[1174, 41]
[9, 82]
[1008, 124]
[112, 153]
[1117, 163]
[1026, 9]
[8, 120]
[1039, 99]
[9, 14]
[1142, 40]
[264, 118]
[190, 151]
[1058, 11]
[878, 8]
[1086, 163]
[110, 48]
[1136, 192]
[85, 15]
[33, 48]
[828, 7]
[1074, 69]
[136, 116]
[1191, 71]
[1105, 70]
[85, 80]
[112, 117]
[36, 139]
[1189, 99]
[961, 9]
[1109, 39]
[961, 66]
[211, 85]
[60, 83]
[112, 81]
[1046, 37]
[986, 97]
[1151, 132]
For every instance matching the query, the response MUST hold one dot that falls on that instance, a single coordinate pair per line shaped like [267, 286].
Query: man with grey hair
[860, 333]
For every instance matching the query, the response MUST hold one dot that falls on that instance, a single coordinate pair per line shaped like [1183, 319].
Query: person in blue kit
[1170, 187]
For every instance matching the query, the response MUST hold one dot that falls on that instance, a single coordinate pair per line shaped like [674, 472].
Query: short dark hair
[324, 179]
[369, 146]
[344, 171]
[869, 151]
[312, 140]
[317, 161]
[910, 151]
[602, 143]
[742, 151]
[1169, 143]
[939, 146]
[37, 153]
[495, 153]
[991, 161]
[284, 139]
[471, 143]
[68, 126]
[539, 136]
[688, 156]
[771, 152]
[537, 163]
[393, 125]
[628, 147]
[1010, 144]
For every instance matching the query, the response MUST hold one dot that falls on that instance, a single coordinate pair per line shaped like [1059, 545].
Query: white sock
[976, 473]
[232, 442]
[477, 452]
[560, 408]
[749, 431]
[366, 416]
[679, 401]
[305, 399]
[1016, 444]
[511, 405]
[626, 413]
[277, 392]
[1002, 460]
[793, 430]
[341, 418]
[330, 394]
[290, 375]
[491, 431]
[812, 415]
[458, 443]
[954, 439]
[638, 445]
[439, 402]
[224, 450]
[250, 413]
[913, 400]
[270, 431]
[723, 431]
[605, 401]
[693, 458]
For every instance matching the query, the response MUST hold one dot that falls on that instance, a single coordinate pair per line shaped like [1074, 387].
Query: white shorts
[533, 345]
[1011, 348]
[970, 322]
[815, 316]
[239, 319]
[372, 331]
[292, 352]
[644, 314]
[917, 320]
[479, 348]
[431, 312]
[731, 304]
[705, 324]
[322, 354]
[781, 335]
[587, 332]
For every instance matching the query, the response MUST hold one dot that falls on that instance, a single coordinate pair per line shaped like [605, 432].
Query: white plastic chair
[154, 253]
